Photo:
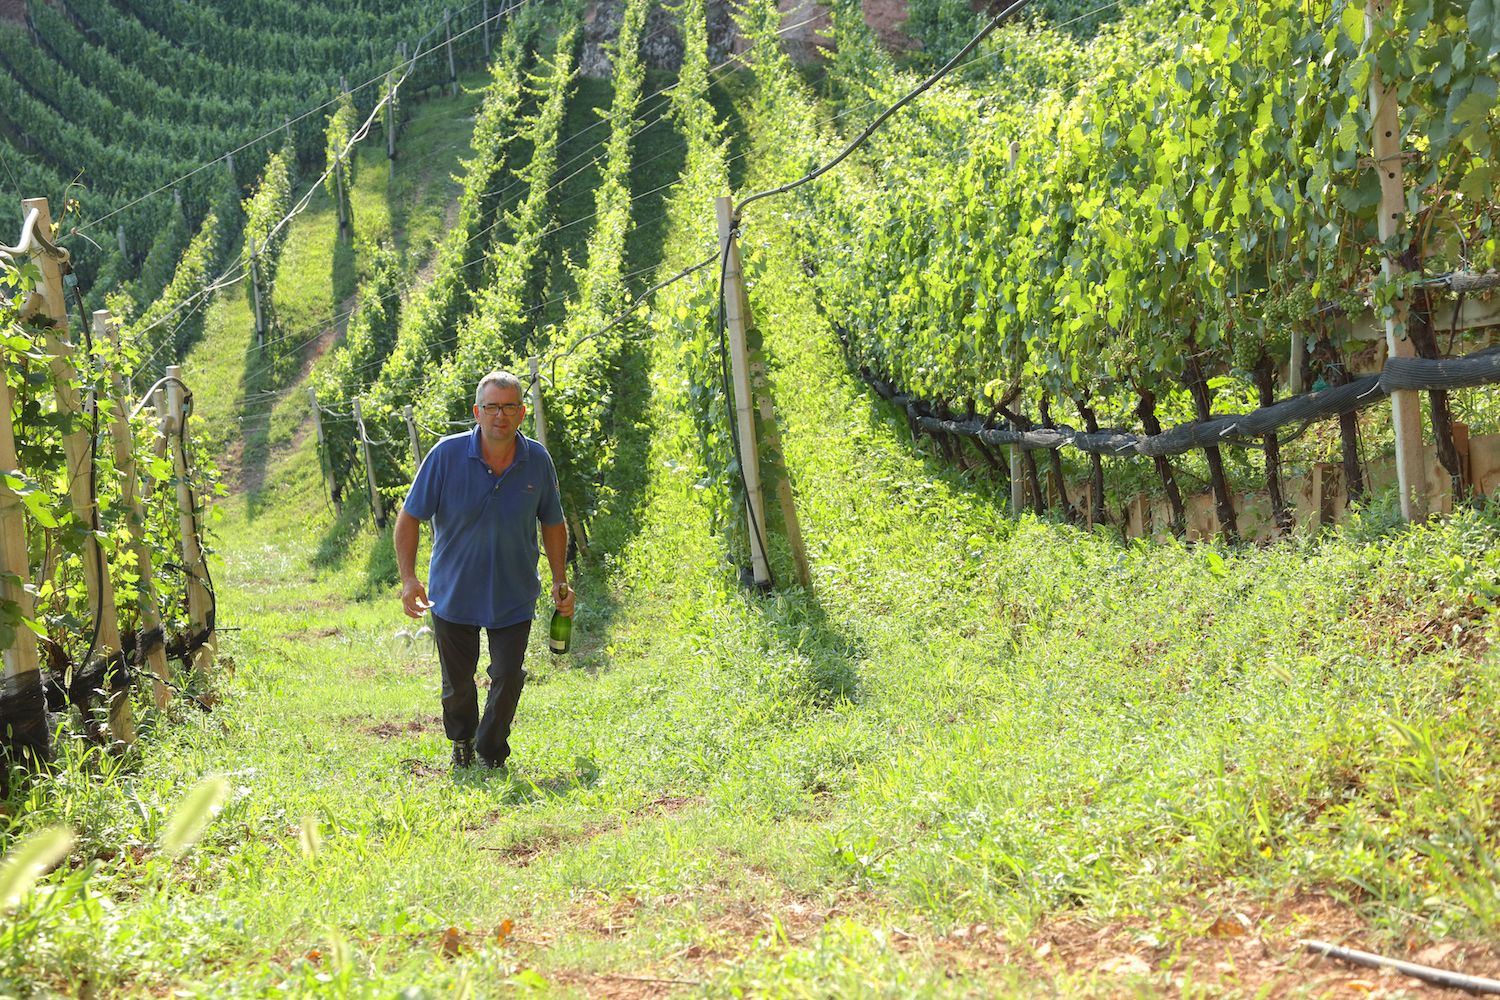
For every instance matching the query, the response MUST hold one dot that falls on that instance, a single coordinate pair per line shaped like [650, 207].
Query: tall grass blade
[201, 805]
[32, 858]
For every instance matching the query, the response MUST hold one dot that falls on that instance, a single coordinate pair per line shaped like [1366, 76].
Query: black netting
[23, 718]
[1480, 368]
[101, 676]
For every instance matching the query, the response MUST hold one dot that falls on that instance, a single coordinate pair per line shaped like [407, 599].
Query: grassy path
[984, 757]
[1059, 763]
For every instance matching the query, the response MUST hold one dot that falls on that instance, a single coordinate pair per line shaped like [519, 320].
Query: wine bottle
[561, 634]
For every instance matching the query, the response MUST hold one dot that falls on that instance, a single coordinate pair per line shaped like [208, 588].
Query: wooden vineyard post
[1296, 368]
[260, 322]
[337, 166]
[452, 69]
[22, 682]
[200, 601]
[485, 13]
[364, 450]
[749, 455]
[538, 415]
[81, 475]
[120, 238]
[390, 122]
[416, 442]
[758, 388]
[325, 460]
[1406, 407]
[1017, 482]
[150, 648]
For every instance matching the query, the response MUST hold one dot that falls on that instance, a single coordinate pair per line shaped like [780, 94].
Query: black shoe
[463, 753]
[493, 765]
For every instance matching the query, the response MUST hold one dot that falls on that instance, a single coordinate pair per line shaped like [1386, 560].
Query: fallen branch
[1426, 973]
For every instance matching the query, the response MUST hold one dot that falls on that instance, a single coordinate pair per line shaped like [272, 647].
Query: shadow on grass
[342, 272]
[828, 653]
[381, 572]
[520, 790]
[333, 548]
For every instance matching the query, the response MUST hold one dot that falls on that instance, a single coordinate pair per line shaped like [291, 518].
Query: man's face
[499, 412]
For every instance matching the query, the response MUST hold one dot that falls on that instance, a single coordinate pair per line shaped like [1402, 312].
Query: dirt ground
[1244, 950]
[13, 10]
[885, 18]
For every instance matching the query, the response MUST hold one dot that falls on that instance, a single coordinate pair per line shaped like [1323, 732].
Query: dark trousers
[458, 654]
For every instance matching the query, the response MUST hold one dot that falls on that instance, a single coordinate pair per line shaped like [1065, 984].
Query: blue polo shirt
[484, 529]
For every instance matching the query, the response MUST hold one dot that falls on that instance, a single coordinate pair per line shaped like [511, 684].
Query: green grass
[973, 720]
[976, 735]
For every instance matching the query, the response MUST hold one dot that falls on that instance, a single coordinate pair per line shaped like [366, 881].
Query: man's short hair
[504, 380]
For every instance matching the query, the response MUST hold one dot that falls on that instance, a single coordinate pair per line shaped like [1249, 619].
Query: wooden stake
[325, 460]
[486, 15]
[120, 238]
[1406, 406]
[538, 415]
[749, 456]
[123, 440]
[76, 446]
[15, 564]
[338, 181]
[416, 442]
[199, 599]
[1017, 476]
[390, 122]
[364, 449]
[260, 322]
[769, 441]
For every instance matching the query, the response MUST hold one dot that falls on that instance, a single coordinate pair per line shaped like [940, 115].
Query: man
[484, 492]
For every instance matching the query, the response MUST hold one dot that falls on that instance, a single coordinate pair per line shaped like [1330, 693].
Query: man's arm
[407, 533]
[555, 542]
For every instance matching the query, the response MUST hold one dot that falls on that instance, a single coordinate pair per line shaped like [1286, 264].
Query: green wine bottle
[561, 635]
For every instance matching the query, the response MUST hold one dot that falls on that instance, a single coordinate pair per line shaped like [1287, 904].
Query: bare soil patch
[1238, 948]
[312, 634]
[422, 769]
[669, 804]
[13, 10]
[389, 730]
[1247, 948]
[885, 18]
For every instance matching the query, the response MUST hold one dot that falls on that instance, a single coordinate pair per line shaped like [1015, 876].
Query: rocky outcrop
[805, 29]
[661, 45]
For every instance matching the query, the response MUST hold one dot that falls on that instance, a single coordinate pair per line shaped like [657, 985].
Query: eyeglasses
[509, 409]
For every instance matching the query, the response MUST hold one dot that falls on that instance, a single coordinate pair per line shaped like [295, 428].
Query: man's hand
[562, 597]
[414, 598]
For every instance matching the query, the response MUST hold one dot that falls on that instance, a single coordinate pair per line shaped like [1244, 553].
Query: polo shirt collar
[523, 446]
